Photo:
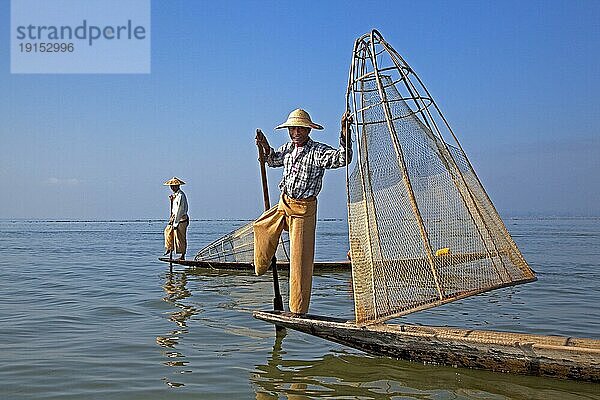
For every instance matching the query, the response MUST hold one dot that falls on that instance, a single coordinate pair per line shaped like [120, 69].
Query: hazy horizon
[157, 219]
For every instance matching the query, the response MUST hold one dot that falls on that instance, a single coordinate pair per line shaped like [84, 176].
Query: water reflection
[175, 289]
[276, 376]
[355, 375]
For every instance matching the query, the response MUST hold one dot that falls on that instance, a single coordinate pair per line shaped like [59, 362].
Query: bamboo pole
[277, 300]
[173, 232]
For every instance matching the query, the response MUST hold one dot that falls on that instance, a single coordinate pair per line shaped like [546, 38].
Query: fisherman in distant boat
[176, 230]
[304, 162]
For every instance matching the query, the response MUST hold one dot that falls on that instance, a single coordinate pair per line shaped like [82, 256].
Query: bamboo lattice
[238, 247]
[423, 231]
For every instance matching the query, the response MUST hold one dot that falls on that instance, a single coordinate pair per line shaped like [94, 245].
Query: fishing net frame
[412, 192]
[238, 247]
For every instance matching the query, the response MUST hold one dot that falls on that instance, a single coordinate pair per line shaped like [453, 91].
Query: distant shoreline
[151, 220]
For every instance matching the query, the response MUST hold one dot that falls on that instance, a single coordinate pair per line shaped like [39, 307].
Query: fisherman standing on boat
[176, 230]
[304, 162]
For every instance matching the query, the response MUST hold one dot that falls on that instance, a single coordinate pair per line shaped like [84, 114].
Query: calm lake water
[87, 312]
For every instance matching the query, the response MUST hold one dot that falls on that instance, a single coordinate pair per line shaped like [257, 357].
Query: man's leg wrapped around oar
[169, 238]
[267, 230]
[299, 216]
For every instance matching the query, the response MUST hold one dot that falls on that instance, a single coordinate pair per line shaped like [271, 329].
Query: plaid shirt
[303, 174]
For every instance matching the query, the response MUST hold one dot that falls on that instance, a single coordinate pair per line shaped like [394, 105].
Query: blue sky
[518, 82]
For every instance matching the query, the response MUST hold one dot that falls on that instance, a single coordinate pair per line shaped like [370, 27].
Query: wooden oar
[172, 234]
[277, 301]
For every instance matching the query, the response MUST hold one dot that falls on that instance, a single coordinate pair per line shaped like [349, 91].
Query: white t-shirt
[179, 207]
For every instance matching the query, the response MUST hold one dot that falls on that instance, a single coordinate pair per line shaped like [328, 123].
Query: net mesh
[422, 229]
[238, 247]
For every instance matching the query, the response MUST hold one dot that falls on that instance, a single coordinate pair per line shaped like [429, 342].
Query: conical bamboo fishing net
[238, 247]
[423, 231]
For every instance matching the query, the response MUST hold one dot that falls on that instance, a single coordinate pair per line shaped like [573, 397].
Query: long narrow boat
[249, 267]
[423, 232]
[552, 356]
[235, 252]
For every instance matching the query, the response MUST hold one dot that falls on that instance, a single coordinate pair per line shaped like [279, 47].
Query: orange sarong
[176, 239]
[299, 217]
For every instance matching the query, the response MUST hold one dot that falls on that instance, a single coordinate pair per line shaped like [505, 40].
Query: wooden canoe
[552, 356]
[237, 266]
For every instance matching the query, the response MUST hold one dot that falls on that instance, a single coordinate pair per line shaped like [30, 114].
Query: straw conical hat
[174, 181]
[299, 117]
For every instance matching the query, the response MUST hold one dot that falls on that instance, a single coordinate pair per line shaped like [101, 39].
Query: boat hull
[552, 356]
[238, 266]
